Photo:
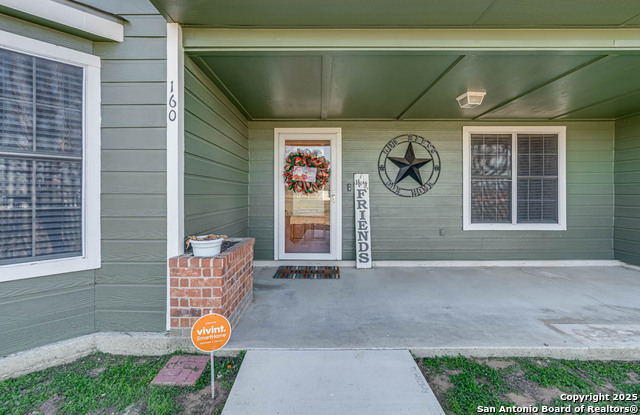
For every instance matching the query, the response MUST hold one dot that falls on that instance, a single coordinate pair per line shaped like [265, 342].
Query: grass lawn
[107, 384]
[468, 385]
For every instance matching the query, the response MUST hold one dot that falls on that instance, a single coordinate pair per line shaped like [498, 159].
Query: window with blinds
[41, 166]
[514, 178]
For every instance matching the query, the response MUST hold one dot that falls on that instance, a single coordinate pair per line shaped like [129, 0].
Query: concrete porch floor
[491, 311]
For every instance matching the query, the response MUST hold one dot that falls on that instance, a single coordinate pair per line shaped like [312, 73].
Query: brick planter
[222, 284]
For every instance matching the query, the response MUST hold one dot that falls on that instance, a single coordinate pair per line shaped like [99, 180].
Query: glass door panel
[307, 216]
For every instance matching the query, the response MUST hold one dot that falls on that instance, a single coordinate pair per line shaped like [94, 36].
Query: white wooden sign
[363, 221]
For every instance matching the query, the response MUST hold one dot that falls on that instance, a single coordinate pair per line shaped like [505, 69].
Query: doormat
[312, 273]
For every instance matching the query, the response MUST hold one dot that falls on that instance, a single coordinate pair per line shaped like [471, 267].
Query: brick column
[222, 284]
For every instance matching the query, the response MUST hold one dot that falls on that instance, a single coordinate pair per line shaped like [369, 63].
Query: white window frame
[561, 131]
[90, 258]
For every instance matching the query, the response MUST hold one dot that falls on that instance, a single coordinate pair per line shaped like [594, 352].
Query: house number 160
[172, 104]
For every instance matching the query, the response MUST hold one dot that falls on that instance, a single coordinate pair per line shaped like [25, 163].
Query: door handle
[333, 196]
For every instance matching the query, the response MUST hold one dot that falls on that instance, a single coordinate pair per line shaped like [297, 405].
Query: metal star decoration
[409, 166]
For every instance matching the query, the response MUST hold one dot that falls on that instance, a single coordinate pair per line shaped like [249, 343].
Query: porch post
[175, 148]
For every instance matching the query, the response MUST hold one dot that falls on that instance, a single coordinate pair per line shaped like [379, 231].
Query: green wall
[131, 285]
[408, 228]
[216, 178]
[626, 232]
[56, 307]
[129, 291]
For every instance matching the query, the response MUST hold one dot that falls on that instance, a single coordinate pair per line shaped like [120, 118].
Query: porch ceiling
[424, 85]
[402, 13]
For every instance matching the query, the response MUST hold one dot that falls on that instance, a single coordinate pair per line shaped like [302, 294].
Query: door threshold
[311, 262]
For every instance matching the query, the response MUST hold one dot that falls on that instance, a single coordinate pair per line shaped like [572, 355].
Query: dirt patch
[50, 406]
[199, 402]
[94, 373]
[495, 363]
[528, 392]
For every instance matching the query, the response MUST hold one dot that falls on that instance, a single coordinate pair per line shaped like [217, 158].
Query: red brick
[174, 302]
[184, 282]
[173, 262]
[195, 262]
[183, 262]
[177, 292]
[192, 292]
[213, 282]
[174, 272]
[174, 282]
[206, 292]
[197, 282]
[206, 272]
[205, 262]
[218, 263]
[184, 302]
[217, 292]
[175, 322]
[184, 322]
[193, 272]
[211, 302]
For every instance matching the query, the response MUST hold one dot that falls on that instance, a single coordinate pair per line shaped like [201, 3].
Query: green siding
[130, 289]
[408, 228]
[626, 233]
[216, 161]
[57, 307]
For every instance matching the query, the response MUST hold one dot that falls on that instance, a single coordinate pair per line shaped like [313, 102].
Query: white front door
[308, 225]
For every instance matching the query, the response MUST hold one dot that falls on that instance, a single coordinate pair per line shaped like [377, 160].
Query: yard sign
[210, 333]
[363, 222]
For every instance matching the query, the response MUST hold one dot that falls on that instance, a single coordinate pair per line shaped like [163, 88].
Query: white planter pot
[206, 248]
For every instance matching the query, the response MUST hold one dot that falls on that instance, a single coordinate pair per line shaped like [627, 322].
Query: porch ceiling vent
[471, 99]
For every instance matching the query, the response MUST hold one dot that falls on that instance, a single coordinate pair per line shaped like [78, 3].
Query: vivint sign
[211, 332]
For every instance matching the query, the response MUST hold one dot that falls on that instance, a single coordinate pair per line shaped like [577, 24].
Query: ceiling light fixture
[471, 99]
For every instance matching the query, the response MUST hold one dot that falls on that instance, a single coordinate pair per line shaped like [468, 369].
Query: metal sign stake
[210, 333]
[213, 385]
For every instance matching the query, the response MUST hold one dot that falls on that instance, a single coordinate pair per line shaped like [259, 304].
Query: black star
[409, 166]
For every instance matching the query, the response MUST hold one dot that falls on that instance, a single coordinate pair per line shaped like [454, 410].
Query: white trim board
[104, 27]
[455, 264]
[175, 150]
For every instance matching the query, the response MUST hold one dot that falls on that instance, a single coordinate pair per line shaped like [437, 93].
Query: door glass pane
[307, 216]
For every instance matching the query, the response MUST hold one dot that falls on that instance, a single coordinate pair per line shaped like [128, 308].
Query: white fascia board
[72, 17]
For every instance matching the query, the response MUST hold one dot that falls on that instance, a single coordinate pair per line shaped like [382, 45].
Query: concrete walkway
[592, 311]
[331, 382]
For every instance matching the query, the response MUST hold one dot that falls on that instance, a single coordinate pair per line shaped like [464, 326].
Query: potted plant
[206, 245]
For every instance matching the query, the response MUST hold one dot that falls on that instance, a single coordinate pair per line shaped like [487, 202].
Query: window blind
[491, 178]
[537, 178]
[41, 167]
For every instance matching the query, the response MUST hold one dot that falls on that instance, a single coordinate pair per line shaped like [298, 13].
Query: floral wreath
[305, 158]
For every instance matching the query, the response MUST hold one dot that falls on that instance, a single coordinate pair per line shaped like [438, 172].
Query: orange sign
[211, 332]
